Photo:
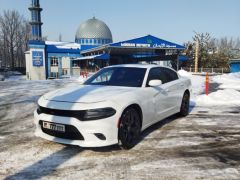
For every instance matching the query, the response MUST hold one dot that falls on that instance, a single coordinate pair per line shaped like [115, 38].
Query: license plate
[54, 126]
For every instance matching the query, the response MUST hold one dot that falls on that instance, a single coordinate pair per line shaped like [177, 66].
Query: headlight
[101, 113]
[82, 115]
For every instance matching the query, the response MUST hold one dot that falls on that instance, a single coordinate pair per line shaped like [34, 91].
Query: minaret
[36, 20]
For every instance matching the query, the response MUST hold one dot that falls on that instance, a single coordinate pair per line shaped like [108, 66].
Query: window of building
[54, 75]
[34, 16]
[54, 61]
[76, 63]
[64, 72]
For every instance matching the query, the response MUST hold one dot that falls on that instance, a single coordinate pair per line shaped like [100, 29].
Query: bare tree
[14, 35]
[201, 42]
[213, 53]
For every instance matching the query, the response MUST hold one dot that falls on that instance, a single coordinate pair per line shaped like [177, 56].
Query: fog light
[100, 136]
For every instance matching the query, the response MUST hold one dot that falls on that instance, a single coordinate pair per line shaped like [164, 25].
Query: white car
[113, 106]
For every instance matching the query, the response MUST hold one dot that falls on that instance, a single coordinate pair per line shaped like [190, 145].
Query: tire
[129, 128]
[184, 110]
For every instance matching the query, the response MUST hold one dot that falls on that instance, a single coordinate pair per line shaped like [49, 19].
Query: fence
[209, 70]
[69, 72]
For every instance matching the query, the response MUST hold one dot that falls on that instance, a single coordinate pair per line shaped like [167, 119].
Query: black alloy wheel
[184, 110]
[129, 128]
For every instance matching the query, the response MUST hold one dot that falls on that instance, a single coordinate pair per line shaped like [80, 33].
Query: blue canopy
[148, 41]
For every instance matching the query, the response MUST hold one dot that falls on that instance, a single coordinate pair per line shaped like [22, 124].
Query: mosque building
[93, 49]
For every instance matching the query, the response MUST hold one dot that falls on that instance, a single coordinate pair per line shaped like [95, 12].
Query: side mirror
[155, 82]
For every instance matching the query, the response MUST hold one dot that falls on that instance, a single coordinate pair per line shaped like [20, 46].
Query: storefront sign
[37, 58]
[135, 45]
[162, 45]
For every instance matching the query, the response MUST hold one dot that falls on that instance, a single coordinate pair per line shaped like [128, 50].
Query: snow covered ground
[203, 145]
[228, 92]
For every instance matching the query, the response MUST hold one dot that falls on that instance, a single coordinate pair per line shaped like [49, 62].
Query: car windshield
[118, 76]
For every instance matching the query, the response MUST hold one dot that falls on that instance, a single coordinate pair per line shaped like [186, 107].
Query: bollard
[207, 84]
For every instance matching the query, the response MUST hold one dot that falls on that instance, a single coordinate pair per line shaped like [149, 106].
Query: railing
[69, 72]
[209, 70]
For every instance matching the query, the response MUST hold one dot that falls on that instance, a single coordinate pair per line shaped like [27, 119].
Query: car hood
[87, 93]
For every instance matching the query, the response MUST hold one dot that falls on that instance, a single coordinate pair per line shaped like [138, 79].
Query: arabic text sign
[37, 58]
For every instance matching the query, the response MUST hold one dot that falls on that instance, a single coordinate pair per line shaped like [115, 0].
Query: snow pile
[220, 97]
[16, 78]
[69, 46]
[64, 45]
[228, 93]
[230, 81]
[184, 73]
[197, 83]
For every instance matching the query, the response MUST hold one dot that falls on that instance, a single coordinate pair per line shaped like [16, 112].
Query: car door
[158, 95]
[172, 88]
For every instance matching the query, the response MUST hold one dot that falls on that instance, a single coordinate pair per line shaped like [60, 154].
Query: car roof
[148, 66]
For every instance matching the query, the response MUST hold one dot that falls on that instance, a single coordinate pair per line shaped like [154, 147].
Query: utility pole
[196, 55]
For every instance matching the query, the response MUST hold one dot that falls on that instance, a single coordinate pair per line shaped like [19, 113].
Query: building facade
[93, 49]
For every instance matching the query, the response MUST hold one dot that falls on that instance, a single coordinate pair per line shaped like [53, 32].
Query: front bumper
[88, 129]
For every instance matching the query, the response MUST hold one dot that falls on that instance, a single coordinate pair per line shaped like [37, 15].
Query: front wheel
[129, 128]
[184, 110]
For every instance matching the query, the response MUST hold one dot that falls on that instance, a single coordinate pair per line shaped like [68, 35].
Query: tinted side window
[156, 73]
[169, 74]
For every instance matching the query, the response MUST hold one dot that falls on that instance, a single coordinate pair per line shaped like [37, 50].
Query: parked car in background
[113, 106]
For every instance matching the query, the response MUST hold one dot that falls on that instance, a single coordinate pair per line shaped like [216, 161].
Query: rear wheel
[129, 128]
[184, 110]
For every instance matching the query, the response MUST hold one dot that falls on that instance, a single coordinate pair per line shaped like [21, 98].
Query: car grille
[66, 113]
[71, 132]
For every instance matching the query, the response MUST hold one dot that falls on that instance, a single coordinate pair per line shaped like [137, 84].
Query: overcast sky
[173, 20]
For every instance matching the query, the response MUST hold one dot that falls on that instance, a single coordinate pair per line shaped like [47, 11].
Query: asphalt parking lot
[203, 145]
